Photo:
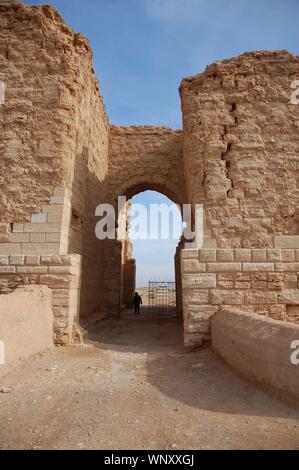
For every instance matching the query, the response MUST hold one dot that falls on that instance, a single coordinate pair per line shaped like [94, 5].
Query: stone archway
[119, 263]
[129, 264]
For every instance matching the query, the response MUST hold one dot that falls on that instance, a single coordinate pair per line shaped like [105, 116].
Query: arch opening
[150, 253]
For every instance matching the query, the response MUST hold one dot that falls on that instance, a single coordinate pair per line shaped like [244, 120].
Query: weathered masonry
[237, 154]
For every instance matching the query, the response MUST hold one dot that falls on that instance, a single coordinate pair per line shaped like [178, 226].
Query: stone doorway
[154, 256]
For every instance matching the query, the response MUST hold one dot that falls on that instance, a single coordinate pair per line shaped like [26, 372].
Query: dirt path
[134, 387]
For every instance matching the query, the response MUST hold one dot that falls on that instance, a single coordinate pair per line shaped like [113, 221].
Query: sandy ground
[134, 387]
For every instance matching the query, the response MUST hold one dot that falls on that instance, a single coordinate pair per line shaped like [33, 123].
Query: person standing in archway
[137, 300]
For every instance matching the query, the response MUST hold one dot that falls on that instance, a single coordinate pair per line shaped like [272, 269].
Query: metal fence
[162, 298]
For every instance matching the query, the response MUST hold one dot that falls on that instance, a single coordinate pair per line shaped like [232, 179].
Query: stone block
[4, 260]
[200, 280]
[196, 296]
[242, 254]
[39, 218]
[7, 269]
[32, 269]
[55, 217]
[289, 296]
[225, 284]
[19, 237]
[286, 241]
[228, 297]
[17, 260]
[61, 311]
[18, 228]
[189, 254]
[259, 255]
[53, 237]
[193, 266]
[284, 267]
[259, 267]
[37, 237]
[57, 200]
[64, 260]
[273, 255]
[224, 255]
[202, 313]
[10, 248]
[32, 260]
[288, 255]
[260, 297]
[63, 270]
[242, 285]
[277, 309]
[54, 280]
[207, 255]
[41, 228]
[202, 327]
[223, 267]
[40, 248]
[4, 228]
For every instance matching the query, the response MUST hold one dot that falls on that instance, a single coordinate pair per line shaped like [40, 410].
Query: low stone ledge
[26, 324]
[259, 348]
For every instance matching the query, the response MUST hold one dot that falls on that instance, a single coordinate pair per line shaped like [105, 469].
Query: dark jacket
[137, 300]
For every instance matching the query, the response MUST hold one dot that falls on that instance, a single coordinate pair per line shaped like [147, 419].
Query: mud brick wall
[61, 273]
[54, 142]
[53, 121]
[241, 147]
[262, 281]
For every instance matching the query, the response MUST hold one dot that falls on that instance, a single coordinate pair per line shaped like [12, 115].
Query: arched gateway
[237, 154]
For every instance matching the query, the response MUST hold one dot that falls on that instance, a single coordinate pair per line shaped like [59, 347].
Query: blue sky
[155, 258]
[143, 49]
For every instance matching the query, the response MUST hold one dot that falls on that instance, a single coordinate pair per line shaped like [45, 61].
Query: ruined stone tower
[237, 154]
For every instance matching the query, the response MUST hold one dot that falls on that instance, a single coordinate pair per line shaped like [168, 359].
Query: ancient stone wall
[54, 142]
[238, 154]
[61, 273]
[241, 147]
[263, 281]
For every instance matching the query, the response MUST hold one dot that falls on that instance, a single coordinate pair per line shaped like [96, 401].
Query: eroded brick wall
[238, 155]
[61, 273]
[54, 142]
[241, 147]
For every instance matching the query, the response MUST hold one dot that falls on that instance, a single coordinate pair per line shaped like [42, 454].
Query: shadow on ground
[199, 378]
